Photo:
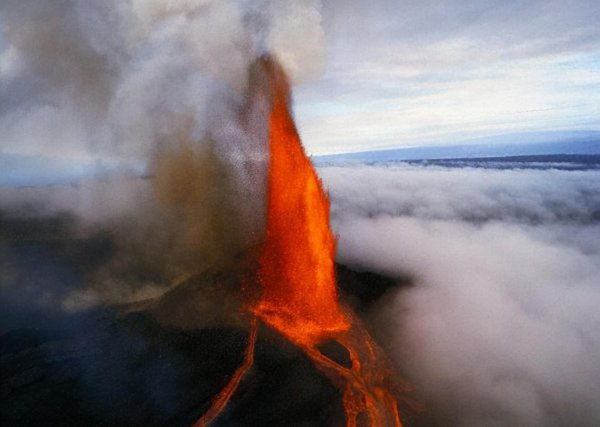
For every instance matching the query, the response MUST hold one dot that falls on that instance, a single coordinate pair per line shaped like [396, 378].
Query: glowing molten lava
[220, 402]
[296, 275]
[296, 271]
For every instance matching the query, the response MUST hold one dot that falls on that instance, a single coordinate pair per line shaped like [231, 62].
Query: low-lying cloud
[501, 326]
[466, 194]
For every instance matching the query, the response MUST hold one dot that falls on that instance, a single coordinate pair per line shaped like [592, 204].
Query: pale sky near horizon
[395, 73]
[410, 73]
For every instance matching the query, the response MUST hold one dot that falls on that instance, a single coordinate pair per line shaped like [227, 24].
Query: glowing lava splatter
[296, 274]
[296, 265]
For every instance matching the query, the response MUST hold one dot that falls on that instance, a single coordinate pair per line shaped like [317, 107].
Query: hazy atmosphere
[459, 145]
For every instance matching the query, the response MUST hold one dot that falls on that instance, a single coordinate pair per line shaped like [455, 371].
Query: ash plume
[155, 86]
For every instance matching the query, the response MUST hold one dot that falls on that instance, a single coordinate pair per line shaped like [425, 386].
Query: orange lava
[299, 294]
[296, 271]
[296, 274]
[222, 399]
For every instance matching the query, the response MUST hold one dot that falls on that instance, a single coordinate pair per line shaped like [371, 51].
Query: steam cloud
[501, 326]
[156, 85]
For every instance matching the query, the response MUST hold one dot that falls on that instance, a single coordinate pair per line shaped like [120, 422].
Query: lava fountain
[296, 277]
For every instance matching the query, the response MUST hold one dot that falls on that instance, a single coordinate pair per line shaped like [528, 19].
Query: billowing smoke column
[153, 87]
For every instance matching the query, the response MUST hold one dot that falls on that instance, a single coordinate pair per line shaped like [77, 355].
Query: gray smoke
[112, 78]
[151, 85]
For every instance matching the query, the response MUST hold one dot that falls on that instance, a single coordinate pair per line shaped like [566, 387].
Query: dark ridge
[523, 144]
[18, 340]
[571, 158]
[363, 288]
[19, 228]
[553, 161]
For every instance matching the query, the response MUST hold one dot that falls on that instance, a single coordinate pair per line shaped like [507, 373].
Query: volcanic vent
[293, 290]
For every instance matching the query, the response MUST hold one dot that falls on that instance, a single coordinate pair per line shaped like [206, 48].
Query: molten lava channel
[296, 275]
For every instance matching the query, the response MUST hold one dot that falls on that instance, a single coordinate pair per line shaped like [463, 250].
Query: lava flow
[296, 275]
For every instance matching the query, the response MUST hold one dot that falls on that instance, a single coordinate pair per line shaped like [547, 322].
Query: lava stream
[222, 399]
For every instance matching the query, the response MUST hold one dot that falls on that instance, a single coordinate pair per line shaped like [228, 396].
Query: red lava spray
[296, 275]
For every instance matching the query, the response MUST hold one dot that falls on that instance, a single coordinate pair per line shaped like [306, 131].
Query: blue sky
[409, 73]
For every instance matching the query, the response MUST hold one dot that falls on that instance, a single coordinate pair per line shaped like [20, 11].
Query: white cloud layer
[501, 325]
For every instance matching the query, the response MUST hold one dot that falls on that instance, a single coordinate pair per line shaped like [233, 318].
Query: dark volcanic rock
[121, 366]
[133, 371]
[362, 289]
